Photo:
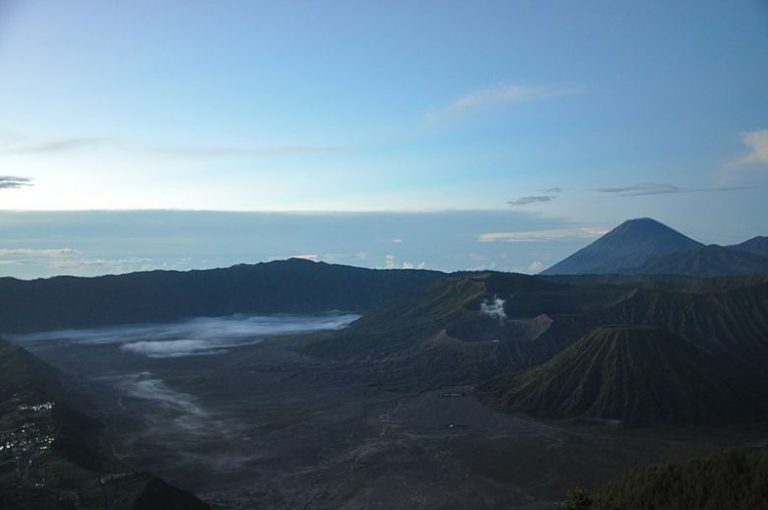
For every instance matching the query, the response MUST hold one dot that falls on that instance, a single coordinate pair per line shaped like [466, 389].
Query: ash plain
[228, 409]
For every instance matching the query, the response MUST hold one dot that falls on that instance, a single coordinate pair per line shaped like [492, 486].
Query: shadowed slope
[707, 261]
[52, 457]
[290, 286]
[468, 327]
[634, 374]
[731, 323]
[448, 328]
[757, 245]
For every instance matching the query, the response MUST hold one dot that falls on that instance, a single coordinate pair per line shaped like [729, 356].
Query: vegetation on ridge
[633, 374]
[732, 479]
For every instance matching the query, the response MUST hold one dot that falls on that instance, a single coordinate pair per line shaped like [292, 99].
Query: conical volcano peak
[642, 227]
[648, 224]
[624, 248]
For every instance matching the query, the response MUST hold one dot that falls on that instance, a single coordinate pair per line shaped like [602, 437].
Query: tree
[576, 499]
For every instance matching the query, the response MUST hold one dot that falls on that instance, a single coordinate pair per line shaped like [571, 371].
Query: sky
[439, 134]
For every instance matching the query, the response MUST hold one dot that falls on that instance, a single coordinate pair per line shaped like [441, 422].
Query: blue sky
[516, 116]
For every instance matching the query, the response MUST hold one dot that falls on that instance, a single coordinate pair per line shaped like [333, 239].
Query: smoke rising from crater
[494, 309]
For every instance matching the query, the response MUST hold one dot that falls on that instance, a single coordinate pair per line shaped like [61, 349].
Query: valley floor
[261, 426]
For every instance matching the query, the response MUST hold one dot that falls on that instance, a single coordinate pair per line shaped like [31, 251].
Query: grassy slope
[732, 322]
[638, 375]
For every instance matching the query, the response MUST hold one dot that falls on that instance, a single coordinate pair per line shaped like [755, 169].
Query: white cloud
[314, 257]
[13, 262]
[595, 231]
[491, 97]
[757, 143]
[389, 262]
[74, 262]
[535, 266]
[37, 253]
[528, 236]
[116, 265]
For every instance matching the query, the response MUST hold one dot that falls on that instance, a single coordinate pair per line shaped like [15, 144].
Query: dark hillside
[733, 480]
[51, 456]
[290, 286]
[470, 326]
[454, 326]
[635, 375]
[757, 246]
[707, 261]
[732, 323]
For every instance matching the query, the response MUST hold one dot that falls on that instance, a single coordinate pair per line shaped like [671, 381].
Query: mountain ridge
[712, 260]
[638, 375]
[646, 246]
[757, 245]
[287, 286]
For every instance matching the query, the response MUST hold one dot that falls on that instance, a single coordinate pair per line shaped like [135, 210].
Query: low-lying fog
[195, 337]
[188, 400]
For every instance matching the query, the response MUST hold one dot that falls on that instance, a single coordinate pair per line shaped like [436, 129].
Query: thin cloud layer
[660, 188]
[37, 252]
[533, 199]
[539, 235]
[55, 146]
[13, 182]
[491, 97]
[20, 144]
[212, 152]
[649, 188]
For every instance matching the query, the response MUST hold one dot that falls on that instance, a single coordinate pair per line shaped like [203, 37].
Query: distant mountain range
[636, 247]
[645, 246]
[287, 286]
